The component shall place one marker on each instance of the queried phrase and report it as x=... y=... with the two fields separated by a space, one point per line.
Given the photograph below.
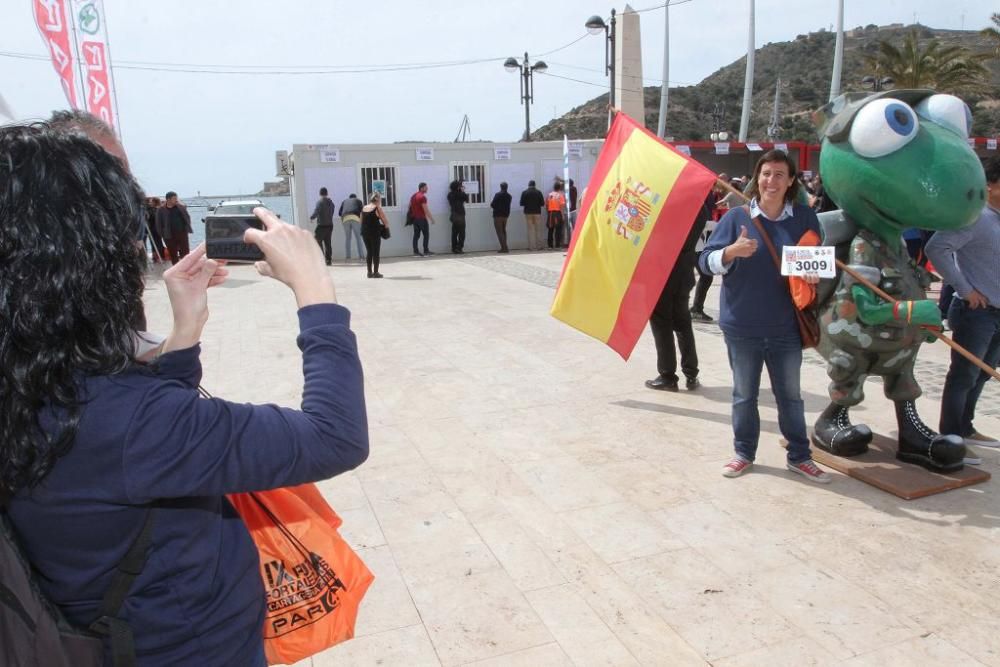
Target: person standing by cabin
x=501 y=211
x=323 y=215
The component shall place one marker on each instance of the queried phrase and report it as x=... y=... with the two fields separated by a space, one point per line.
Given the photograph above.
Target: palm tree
x=993 y=33
x=945 y=69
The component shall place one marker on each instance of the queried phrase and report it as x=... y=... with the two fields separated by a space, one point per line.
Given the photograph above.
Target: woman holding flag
x=757 y=311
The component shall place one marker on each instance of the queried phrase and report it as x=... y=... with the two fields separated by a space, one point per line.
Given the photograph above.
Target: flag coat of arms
x=641 y=201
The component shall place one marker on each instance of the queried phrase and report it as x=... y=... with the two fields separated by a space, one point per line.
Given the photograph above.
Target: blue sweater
x=146 y=435
x=755 y=299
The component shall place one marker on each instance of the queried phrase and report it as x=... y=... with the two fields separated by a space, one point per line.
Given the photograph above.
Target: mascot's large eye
x=947 y=111
x=882 y=127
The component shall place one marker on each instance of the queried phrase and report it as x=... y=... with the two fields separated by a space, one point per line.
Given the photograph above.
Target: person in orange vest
x=554 y=204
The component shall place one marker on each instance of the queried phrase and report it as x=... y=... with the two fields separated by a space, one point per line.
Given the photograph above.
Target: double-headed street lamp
x=718 y=122
x=594 y=25
x=877 y=83
x=527 y=85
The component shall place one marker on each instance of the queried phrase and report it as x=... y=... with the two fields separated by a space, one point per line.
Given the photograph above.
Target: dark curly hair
x=71 y=282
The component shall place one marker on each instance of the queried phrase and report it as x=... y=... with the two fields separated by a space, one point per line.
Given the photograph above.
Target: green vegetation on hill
x=804 y=66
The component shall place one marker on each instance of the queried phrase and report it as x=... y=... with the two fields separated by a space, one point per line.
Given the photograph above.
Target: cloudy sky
x=216 y=132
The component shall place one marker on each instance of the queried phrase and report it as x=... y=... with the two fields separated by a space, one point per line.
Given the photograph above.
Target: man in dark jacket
x=457 y=199
x=174 y=224
x=323 y=215
x=671 y=315
x=533 y=202
x=501 y=211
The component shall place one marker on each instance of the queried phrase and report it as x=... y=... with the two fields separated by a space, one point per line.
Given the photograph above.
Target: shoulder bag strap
x=767 y=241
x=107 y=623
x=764 y=235
x=774 y=256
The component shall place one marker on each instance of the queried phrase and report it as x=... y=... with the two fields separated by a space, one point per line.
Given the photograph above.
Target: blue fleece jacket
x=147 y=436
x=755 y=300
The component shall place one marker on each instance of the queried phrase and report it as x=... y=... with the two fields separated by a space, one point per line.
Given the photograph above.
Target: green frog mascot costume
x=891 y=160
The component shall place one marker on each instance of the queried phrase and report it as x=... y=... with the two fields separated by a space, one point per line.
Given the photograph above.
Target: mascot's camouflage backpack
x=890 y=161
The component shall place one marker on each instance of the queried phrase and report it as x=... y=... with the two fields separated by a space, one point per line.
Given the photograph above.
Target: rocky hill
x=804 y=66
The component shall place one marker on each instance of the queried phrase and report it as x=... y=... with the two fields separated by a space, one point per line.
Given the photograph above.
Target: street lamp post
x=718 y=122
x=594 y=25
x=877 y=83
x=527 y=85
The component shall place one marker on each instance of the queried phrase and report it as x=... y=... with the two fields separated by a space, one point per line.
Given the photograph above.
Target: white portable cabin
x=397 y=169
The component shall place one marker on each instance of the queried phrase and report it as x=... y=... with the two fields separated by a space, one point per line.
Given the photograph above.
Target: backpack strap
x=107 y=623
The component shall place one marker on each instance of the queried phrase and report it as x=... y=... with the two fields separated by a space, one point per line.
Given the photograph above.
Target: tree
x=946 y=69
x=993 y=33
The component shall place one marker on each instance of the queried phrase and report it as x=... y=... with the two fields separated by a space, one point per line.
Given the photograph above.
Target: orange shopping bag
x=313 y=580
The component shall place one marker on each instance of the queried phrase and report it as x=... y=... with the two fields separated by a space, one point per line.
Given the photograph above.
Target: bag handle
x=282 y=528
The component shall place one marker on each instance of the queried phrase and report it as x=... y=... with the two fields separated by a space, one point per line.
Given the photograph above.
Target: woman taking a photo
x=757 y=313
x=95 y=446
x=373 y=222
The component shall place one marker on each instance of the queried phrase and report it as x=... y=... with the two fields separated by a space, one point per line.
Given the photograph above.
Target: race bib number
x=798 y=260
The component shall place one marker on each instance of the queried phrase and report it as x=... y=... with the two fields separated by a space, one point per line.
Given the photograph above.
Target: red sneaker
x=810 y=471
x=736 y=467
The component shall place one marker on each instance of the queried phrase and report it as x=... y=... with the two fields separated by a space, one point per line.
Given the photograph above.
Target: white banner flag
x=566 y=150
x=95 y=61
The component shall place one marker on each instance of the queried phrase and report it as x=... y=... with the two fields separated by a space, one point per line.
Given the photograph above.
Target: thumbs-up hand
x=743 y=246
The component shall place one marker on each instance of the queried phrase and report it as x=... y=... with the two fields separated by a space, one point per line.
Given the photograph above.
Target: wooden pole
x=982 y=365
x=937 y=334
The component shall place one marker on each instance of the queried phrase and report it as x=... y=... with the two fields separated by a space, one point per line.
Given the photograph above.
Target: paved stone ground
x=528 y=502
x=929 y=370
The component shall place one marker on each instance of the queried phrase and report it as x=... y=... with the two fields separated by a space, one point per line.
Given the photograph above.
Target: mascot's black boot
x=919 y=444
x=834 y=432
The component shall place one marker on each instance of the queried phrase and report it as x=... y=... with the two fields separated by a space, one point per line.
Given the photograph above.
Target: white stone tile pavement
x=528 y=502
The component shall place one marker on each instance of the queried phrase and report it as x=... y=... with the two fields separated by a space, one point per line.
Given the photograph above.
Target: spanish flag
x=641 y=201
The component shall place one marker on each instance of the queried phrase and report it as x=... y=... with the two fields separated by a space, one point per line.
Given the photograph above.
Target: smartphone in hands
x=224 y=238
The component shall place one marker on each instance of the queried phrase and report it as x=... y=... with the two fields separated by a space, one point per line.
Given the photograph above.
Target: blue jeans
x=352 y=228
x=783 y=357
x=978 y=331
x=420 y=226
